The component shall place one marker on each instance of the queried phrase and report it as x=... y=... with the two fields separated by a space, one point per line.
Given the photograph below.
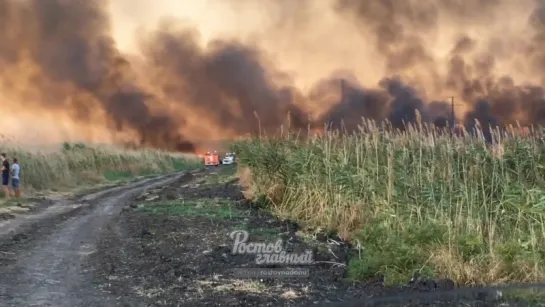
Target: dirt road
x=165 y=242
x=42 y=259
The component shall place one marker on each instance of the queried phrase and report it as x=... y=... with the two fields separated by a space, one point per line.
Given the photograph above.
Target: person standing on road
x=15 y=170
x=5 y=174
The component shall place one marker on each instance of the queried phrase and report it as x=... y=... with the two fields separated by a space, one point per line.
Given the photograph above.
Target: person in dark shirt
x=5 y=175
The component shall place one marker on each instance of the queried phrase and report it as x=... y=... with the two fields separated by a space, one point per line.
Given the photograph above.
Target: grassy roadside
x=411 y=202
x=76 y=166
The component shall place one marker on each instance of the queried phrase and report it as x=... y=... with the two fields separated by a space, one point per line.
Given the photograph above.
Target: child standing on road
x=5 y=175
x=15 y=170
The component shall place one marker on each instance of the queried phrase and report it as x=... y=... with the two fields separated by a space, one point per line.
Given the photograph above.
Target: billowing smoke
x=479 y=70
x=228 y=82
x=59 y=58
x=63 y=52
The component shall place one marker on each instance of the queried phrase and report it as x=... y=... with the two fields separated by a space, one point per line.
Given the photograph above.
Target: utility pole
x=452 y=111
x=452 y=116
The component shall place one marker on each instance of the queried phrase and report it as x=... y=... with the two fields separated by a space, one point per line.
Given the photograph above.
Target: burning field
x=191 y=76
x=174 y=74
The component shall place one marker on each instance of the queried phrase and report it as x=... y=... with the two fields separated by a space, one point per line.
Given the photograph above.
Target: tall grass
x=74 y=165
x=412 y=201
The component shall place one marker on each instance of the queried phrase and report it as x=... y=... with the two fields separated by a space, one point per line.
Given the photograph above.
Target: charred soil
x=171 y=247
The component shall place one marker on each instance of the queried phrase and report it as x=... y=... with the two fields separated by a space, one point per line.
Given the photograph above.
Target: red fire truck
x=211 y=159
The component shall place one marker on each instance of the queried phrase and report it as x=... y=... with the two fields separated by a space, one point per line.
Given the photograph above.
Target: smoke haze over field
x=173 y=73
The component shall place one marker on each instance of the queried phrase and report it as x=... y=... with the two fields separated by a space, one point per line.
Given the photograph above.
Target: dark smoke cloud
x=355 y=102
x=234 y=87
x=398 y=27
x=227 y=81
x=387 y=20
x=70 y=41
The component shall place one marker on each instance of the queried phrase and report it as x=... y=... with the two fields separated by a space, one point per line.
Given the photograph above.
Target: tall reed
x=412 y=200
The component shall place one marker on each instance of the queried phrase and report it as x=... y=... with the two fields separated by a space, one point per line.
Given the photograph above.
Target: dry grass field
x=411 y=201
x=68 y=166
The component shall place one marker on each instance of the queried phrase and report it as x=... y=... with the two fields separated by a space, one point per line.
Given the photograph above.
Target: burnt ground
x=164 y=241
x=170 y=246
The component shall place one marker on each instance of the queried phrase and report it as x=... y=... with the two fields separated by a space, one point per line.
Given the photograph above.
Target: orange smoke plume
x=67 y=73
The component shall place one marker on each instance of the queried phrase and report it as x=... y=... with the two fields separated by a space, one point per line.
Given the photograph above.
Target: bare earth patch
x=171 y=247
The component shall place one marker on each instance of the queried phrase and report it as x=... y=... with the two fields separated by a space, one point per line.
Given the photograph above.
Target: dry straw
x=415 y=200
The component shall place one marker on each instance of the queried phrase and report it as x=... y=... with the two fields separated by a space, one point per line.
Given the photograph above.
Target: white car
x=228 y=159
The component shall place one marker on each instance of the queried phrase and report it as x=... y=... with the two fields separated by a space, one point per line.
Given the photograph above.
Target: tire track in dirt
x=46 y=268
